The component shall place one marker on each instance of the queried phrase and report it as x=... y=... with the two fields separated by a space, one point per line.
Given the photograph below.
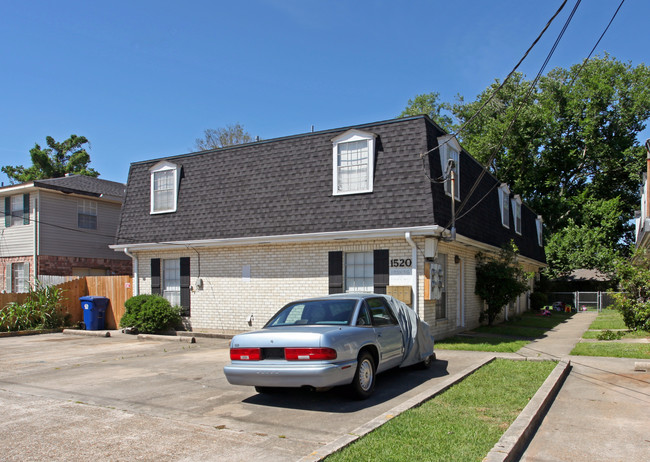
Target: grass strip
x=608 y=319
x=613 y=350
x=493 y=344
x=512 y=331
x=628 y=334
x=461 y=424
x=535 y=319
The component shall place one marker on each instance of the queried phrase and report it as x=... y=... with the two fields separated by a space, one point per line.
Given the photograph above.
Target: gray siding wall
x=17 y=240
x=60 y=235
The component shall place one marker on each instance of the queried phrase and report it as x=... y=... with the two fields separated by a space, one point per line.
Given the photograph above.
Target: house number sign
x=400 y=263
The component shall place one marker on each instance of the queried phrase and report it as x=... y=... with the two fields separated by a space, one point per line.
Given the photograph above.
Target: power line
x=78 y=230
x=496 y=91
x=532 y=86
x=537 y=78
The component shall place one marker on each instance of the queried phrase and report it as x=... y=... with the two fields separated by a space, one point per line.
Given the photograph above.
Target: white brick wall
x=282 y=273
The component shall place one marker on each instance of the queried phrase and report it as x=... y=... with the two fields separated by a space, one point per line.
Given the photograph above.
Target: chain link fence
x=583 y=301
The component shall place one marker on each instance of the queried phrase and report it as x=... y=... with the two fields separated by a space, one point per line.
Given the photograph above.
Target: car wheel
x=426 y=364
x=364 y=378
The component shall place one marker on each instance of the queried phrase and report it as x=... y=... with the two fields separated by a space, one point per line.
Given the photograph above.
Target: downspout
x=135 y=271
x=647 y=181
x=414 y=269
x=36 y=237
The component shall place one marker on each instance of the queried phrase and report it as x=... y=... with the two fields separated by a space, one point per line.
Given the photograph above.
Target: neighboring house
x=59 y=227
x=583 y=280
x=232 y=234
x=642 y=217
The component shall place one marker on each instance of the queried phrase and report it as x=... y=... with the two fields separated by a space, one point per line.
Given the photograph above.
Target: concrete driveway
x=67 y=397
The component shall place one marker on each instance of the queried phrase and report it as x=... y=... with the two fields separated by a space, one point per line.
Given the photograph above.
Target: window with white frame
x=353 y=162
x=450 y=150
x=87 y=214
x=164 y=187
x=359 y=272
x=504 y=204
x=171 y=281
x=17 y=277
x=516 y=212
x=539 y=225
x=16 y=210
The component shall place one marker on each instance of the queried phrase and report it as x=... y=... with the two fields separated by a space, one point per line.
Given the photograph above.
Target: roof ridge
x=284 y=138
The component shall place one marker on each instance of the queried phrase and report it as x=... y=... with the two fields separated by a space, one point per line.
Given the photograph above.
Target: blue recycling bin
x=94 y=309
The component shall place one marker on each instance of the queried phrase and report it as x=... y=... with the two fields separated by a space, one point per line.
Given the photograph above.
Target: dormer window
x=516 y=212
x=450 y=150
x=164 y=187
x=353 y=159
x=504 y=204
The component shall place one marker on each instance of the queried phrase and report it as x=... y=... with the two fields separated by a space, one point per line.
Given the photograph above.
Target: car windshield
x=335 y=312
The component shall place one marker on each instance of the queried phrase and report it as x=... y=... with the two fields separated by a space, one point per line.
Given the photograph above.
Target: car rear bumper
x=319 y=375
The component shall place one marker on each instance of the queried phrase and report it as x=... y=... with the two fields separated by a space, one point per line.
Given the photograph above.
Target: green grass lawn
x=512 y=331
x=612 y=320
x=628 y=334
x=613 y=350
x=461 y=424
x=534 y=319
x=608 y=319
x=494 y=344
x=505 y=337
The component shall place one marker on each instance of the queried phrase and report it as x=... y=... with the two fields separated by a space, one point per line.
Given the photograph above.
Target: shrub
x=538 y=300
x=609 y=335
x=499 y=281
x=41 y=309
x=150 y=314
x=634 y=303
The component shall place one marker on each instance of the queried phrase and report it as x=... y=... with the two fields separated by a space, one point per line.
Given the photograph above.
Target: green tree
x=634 y=280
x=222 y=137
x=55 y=161
x=428 y=104
x=571 y=153
x=499 y=281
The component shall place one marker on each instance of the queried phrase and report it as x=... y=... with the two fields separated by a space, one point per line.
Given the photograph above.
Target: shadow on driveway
x=389 y=385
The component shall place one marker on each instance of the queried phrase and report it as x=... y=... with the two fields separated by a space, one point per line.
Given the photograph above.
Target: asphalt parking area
x=119 y=398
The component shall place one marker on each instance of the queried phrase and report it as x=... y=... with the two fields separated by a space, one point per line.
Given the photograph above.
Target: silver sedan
x=336 y=340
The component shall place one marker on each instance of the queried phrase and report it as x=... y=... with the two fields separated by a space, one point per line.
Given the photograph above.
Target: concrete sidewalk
x=559 y=341
x=602 y=411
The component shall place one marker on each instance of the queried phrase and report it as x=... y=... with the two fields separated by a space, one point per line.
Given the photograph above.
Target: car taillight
x=245 y=354
x=309 y=354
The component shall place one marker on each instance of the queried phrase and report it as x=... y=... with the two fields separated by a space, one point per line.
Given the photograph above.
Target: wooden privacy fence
x=5 y=299
x=117 y=289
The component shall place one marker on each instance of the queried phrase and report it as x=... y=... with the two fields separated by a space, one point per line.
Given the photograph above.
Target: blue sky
x=143 y=79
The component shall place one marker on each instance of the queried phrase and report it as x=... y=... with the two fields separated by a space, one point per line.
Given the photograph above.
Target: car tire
x=363 y=383
x=428 y=362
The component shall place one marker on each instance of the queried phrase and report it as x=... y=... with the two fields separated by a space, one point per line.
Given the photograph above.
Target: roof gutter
x=431 y=230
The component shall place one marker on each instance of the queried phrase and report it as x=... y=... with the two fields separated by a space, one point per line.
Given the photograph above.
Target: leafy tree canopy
x=428 y=104
x=571 y=153
x=55 y=161
x=222 y=137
